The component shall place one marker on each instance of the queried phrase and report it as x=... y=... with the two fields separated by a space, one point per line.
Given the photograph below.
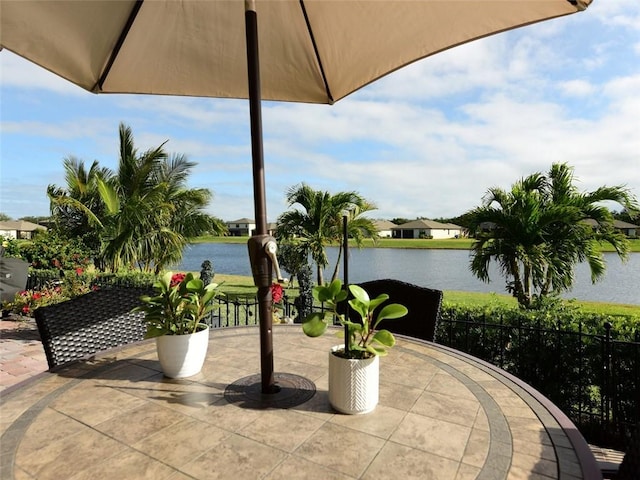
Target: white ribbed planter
x=353 y=383
x=182 y=355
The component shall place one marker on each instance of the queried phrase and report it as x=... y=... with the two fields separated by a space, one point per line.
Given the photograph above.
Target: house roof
x=242 y=220
x=621 y=224
x=616 y=223
x=427 y=224
x=21 y=226
x=383 y=225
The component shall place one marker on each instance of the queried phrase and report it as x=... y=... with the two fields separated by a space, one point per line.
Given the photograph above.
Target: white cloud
x=577 y=88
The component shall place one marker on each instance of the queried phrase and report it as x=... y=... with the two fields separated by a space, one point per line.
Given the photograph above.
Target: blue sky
x=427 y=140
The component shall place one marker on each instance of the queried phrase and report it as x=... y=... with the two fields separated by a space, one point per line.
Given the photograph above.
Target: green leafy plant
x=181 y=304
x=362 y=339
x=10 y=247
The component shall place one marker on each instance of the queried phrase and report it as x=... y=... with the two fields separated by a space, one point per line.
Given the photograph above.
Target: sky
x=426 y=141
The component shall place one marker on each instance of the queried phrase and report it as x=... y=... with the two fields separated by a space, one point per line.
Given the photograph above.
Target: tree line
x=142 y=215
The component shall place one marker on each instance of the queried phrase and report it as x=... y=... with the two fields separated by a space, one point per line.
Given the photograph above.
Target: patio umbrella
x=315 y=51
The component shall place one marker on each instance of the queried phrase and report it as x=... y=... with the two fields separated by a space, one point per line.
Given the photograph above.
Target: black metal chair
x=423 y=303
x=91 y=323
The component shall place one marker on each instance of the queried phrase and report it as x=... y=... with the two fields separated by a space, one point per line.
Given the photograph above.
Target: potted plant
x=174 y=317
x=354 y=366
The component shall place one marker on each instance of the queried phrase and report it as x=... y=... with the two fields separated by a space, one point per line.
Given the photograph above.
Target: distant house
x=245 y=227
x=629 y=229
x=426 y=229
x=19 y=229
x=383 y=227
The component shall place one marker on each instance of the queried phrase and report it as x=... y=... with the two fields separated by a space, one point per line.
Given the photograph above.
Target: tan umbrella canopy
x=315 y=51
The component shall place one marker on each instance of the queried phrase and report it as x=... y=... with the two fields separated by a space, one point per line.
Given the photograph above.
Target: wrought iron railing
x=593 y=378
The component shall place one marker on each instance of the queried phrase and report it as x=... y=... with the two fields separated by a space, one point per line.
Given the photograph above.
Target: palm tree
x=76 y=210
x=146 y=213
x=540 y=229
x=318 y=221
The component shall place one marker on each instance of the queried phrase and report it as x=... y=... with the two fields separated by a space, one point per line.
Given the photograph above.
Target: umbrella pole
x=260 y=262
x=345 y=260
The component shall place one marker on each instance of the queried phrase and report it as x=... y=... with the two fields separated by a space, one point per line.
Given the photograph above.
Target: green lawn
x=243 y=285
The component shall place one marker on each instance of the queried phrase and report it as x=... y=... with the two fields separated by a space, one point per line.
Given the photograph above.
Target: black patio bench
x=90 y=323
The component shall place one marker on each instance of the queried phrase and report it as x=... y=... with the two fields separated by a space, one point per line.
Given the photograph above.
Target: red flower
x=26 y=309
x=37 y=295
x=79 y=271
x=176 y=279
x=276 y=292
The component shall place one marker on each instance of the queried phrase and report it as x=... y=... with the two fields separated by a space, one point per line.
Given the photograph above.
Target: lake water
x=441 y=269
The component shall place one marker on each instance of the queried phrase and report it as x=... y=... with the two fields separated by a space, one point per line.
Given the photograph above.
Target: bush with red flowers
x=73 y=284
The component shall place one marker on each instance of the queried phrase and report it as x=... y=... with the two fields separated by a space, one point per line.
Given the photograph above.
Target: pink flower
x=276 y=292
x=26 y=309
x=176 y=279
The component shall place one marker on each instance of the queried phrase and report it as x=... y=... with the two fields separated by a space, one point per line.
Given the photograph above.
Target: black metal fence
x=233 y=311
x=593 y=378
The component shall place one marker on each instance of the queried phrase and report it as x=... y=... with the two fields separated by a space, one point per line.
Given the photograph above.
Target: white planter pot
x=182 y=355
x=353 y=383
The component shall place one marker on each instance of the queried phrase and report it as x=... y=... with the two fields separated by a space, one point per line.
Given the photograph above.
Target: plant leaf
x=385 y=337
x=359 y=293
x=314 y=325
x=391 y=311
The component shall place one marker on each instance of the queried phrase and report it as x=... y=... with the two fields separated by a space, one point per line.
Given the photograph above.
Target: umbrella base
x=292 y=390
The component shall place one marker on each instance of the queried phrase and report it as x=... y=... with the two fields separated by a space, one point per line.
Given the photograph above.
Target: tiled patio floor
x=22 y=357
x=21 y=353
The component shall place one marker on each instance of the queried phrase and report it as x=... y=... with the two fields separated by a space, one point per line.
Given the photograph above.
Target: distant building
x=19 y=229
x=426 y=229
x=242 y=227
x=245 y=227
x=629 y=229
x=383 y=227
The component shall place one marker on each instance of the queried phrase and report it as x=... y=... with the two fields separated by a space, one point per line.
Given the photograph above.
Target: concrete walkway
x=21 y=353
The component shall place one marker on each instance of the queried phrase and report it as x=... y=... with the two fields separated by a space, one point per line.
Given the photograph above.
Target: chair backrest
x=14 y=273
x=423 y=304
x=91 y=323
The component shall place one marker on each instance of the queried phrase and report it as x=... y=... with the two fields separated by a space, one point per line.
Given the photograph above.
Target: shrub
x=50 y=250
x=10 y=246
x=53 y=286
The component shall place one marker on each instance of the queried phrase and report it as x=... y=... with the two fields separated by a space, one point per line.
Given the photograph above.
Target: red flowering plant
x=27 y=301
x=72 y=285
x=180 y=305
x=277 y=293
